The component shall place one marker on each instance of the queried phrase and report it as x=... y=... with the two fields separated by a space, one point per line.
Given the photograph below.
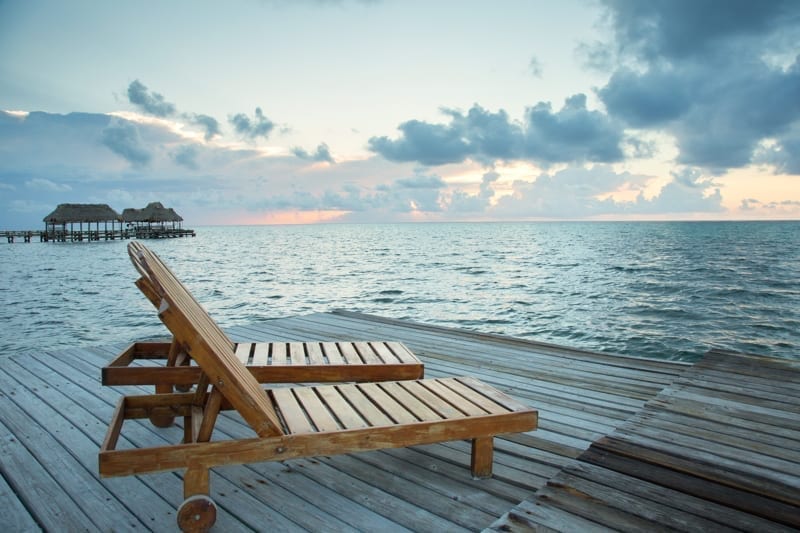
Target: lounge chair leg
x=165 y=421
x=162 y=421
x=198 y=511
x=482 y=457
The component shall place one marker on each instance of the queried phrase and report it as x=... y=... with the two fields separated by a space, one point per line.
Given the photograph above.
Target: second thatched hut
x=153 y=217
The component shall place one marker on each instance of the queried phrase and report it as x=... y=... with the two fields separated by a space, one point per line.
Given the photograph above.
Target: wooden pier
x=623 y=443
x=90 y=235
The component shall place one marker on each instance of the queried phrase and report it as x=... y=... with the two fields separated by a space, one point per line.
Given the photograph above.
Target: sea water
x=668 y=290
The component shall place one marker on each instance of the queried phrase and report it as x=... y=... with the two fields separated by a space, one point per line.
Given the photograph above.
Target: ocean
x=667 y=290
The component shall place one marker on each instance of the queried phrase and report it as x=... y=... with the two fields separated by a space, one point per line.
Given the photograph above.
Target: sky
x=278 y=111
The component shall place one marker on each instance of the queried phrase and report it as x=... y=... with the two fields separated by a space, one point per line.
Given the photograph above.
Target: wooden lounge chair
x=297 y=421
x=269 y=362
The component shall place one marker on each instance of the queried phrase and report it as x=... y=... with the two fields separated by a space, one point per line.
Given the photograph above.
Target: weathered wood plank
x=82 y=409
x=68 y=474
x=543 y=517
x=374 y=498
x=13 y=514
x=35 y=486
x=687 y=511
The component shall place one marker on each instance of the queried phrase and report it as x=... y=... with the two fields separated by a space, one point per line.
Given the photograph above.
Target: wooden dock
x=596 y=412
x=95 y=235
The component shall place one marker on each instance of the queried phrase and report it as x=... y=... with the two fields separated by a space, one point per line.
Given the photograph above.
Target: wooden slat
x=261 y=354
x=368 y=410
x=338 y=404
x=397 y=412
x=409 y=401
x=280 y=354
x=315 y=355
x=424 y=394
x=402 y=353
x=349 y=353
x=469 y=394
x=452 y=398
x=491 y=393
x=367 y=353
x=315 y=409
x=243 y=352
x=383 y=352
x=291 y=411
x=332 y=352
x=297 y=354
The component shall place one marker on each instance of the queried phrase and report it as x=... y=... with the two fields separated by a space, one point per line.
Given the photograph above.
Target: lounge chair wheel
x=197 y=513
x=162 y=421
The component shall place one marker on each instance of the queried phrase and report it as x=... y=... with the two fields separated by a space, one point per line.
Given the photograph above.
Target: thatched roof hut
x=154 y=212
x=70 y=213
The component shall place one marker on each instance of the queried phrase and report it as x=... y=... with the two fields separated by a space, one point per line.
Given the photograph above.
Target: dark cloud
x=323 y=153
x=149 y=101
x=720 y=76
x=258 y=126
x=122 y=138
x=574 y=133
x=430 y=144
x=209 y=124
x=680 y=29
x=492 y=136
x=646 y=100
x=784 y=154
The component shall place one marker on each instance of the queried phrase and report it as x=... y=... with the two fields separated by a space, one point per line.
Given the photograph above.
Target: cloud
x=420 y=181
x=323 y=153
x=149 y=102
x=783 y=154
x=688 y=192
x=429 y=144
x=417 y=193
x=154 y=103
x=720 y=76
x=783 y=209
x=258 y=126
x=681 y=29
x=122 y=138
x=209 y=124
x=572 y=134
x=462 y=202
x=646 y=100
x=578 y=192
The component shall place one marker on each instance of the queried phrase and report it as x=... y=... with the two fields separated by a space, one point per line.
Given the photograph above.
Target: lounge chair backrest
x=151 y=289
x=194 y=329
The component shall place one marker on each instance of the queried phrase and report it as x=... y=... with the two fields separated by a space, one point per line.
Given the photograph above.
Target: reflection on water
x=667 y=290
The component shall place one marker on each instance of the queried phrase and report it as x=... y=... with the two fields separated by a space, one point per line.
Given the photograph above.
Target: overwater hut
x=154 y=214
x=72 y=214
